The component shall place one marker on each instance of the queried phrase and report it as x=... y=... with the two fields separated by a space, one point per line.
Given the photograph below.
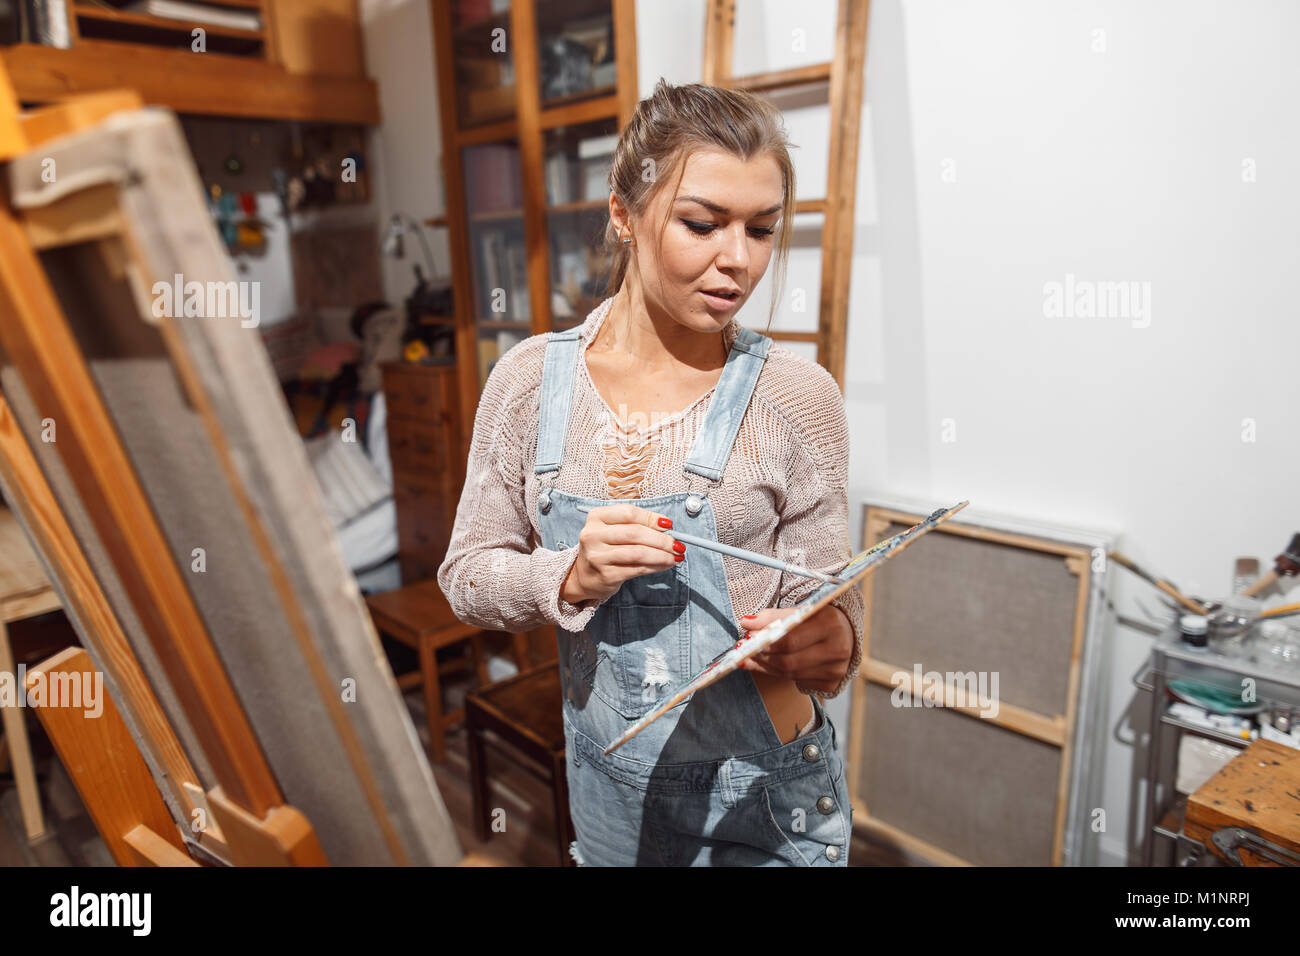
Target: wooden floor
x=527 y=838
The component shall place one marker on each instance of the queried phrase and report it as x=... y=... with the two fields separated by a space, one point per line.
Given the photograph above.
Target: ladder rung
x=809 y=205
x=755 y=82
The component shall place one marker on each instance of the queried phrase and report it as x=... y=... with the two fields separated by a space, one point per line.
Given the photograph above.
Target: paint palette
x=852 y=573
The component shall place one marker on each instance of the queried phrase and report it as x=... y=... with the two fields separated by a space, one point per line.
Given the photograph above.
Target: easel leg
x=29 y=795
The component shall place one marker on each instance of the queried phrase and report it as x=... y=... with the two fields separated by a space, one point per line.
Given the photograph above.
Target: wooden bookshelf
x=275 y=72
x=541 y=119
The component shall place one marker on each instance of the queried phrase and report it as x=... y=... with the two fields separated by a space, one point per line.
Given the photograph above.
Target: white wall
x=1117 y=164
x=1005 y=145
x=406 y=146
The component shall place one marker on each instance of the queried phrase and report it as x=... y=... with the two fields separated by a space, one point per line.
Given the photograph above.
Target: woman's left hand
x=815 y=654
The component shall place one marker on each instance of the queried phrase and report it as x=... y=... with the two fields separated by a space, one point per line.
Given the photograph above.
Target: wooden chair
x=525 y=712
x=419 y=616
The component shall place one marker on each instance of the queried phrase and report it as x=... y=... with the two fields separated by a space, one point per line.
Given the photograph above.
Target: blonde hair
x=666 y=127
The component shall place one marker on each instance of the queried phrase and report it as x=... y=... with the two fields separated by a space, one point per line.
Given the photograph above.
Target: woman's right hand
x=618 y=542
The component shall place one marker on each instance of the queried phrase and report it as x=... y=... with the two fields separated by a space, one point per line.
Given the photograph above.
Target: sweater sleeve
x=813 y=529
x=491 y=576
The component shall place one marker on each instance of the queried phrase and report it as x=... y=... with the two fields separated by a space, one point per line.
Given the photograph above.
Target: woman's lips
x=720 y=302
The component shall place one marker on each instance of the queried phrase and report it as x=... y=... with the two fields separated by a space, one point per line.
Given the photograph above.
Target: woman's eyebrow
x=723 y=210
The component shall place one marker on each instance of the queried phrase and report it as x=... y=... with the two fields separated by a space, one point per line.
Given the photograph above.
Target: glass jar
x=1231 y=626
x=1279 y=643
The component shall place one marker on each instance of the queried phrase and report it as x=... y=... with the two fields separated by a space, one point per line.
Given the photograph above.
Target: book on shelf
x=487 y=356
x=594 y=146
x=492 y=178
x=557 y=180
x=491 y=268
x=506 y=340
x=517 y=271
x=198 y=13
x=594 y=156
x=44 y=22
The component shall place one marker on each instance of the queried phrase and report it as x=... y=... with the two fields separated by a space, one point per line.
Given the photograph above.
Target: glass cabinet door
x=575 y=50
x=577 y=209
x=485 y=70
x=494 y=208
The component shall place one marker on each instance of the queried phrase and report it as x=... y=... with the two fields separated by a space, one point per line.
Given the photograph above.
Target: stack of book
x=492 y=179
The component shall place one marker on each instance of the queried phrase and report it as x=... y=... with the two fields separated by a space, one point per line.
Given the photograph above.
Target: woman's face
x=718 y=241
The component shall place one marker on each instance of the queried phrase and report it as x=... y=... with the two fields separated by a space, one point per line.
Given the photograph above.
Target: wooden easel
x=245 y=820
x=147 y=799
x=843 y=79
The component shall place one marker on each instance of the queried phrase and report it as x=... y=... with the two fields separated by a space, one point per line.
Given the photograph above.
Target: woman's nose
x=734 y=253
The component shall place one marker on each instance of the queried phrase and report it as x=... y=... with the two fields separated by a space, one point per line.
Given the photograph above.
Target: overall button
x=544 y=501
x=832 y=853
x=694 y=505
x=811 y=752
x=825 y=804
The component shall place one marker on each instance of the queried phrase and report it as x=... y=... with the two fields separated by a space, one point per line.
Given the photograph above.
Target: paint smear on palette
x=852 y=573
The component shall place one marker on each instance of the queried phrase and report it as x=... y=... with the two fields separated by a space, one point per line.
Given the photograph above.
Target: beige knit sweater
x=782 y=492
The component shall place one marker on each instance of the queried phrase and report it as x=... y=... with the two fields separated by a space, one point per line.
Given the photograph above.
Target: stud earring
x=627 y=242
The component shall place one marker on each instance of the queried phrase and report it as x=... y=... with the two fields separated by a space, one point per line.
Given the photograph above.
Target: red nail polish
x=679 y=547
x=748 y=617
x=665 y=522
x=679 y=557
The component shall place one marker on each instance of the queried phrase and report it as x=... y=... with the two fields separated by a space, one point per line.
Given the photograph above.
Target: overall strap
x=558 y=369
x=712 y=446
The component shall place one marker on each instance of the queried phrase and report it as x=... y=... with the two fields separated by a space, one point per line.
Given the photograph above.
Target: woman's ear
x=618 y=217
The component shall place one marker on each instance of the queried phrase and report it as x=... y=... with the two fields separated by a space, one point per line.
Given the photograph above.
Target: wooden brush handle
x=1263 y=581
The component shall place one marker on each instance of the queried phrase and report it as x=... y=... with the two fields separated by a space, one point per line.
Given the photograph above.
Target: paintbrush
x=1160 y=583
x=753 y=556
x=1287 y=564
x=1286 y=610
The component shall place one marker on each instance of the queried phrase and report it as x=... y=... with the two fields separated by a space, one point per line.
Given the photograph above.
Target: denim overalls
x=710 y=782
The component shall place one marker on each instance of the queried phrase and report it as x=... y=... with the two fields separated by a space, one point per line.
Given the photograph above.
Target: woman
x=718 y=432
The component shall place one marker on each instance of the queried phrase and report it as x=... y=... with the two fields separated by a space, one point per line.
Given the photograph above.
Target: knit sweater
x=783 y=490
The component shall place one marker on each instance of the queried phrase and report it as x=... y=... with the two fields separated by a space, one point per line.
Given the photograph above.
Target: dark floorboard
x=528 y=838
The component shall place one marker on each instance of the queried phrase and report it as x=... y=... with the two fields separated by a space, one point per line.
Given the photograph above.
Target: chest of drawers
x=428 y=453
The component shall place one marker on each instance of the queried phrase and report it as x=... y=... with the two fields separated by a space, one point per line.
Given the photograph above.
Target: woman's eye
x=704 y=228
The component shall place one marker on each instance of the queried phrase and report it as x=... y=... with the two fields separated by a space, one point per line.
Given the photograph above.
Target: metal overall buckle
x=544 y=496
x=695 y=501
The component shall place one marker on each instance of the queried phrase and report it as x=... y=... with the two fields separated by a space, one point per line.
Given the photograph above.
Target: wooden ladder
x=843 y=78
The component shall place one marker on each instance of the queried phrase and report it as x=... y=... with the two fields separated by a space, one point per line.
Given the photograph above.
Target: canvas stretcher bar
x=79 y=592
x=1056 y=730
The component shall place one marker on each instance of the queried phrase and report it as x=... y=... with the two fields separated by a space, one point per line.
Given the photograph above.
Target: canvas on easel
x=171 y=458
